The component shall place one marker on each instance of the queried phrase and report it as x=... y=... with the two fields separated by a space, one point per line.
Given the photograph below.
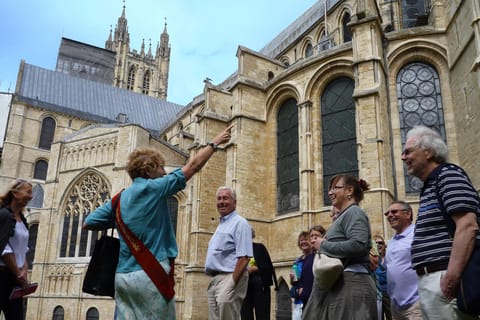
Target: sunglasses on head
x=18 y=183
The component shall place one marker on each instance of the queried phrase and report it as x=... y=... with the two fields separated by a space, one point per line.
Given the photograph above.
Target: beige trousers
x=225 y=298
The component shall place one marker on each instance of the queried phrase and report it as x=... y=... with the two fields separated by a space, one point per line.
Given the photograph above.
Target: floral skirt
x=136 y=297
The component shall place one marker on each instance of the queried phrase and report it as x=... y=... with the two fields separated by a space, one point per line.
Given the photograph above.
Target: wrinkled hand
x=449 y=286
x=224 y=136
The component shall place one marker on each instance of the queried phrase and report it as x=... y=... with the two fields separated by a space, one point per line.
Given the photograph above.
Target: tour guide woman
x=349 y=238
x=13 y=246
x=144 y=211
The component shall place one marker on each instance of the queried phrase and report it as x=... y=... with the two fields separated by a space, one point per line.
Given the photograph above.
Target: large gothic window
x=146 y=82
x=287 y=158
x=419 y=103
x=40 y=171
x=131 y=78
x=47 y=133
x=90 y=192
x=339 y=136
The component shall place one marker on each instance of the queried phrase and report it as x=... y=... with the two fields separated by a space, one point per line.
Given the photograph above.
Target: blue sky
x=204 y=34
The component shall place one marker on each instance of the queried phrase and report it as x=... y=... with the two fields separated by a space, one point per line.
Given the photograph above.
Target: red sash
x=145 y=258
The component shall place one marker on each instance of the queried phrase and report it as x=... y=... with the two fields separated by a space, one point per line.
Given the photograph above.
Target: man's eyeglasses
x=395 y=211
x=406 y=152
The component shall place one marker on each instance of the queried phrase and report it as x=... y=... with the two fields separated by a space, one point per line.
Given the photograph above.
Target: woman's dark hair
x=359 y=186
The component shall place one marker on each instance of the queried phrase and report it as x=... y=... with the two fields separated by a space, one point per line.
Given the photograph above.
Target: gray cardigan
x=349 y=237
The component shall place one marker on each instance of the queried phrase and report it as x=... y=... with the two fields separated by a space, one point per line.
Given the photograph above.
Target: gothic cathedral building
x=336 y=91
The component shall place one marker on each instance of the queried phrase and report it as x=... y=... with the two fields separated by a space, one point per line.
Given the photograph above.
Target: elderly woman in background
x=143 y=207
x=349 y=238
x=301 y=276
x=13 y=246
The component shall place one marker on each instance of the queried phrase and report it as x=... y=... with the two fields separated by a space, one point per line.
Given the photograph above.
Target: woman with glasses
x=13 y=246
x=353 y=296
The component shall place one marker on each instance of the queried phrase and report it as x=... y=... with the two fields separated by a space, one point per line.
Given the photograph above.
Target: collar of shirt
x=228 y=216
x=405 y=232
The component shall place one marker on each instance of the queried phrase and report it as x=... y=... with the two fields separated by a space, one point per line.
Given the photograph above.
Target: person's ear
x=428 y=153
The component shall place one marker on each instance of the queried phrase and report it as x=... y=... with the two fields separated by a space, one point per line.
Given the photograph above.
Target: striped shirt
x=449 y=184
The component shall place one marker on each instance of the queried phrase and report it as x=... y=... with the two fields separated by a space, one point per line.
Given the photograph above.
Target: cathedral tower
x=139 y=71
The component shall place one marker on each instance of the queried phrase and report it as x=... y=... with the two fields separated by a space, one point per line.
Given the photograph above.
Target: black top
x=264 y=264
x=7 y=226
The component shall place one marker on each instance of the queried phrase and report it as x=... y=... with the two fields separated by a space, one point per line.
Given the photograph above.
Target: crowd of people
x=415 y=275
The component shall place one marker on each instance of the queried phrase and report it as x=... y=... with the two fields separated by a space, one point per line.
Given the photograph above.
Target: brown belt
x=431 y=268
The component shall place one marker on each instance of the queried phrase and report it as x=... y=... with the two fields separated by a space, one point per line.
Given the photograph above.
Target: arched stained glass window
x=339 y=135
x=58 y=313
x=419 y=103
x=308 y=50
x=37 y=196
x=92 y=314
x=86 y=195
x=40 y=171
x=287 y=158
x=347 y=35
x=47 y=133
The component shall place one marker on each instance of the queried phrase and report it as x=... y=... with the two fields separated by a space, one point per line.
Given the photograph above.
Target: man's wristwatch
x=213 y=145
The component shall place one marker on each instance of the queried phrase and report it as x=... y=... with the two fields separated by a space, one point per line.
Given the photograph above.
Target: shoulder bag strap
x=449 y=220
x=163 y=281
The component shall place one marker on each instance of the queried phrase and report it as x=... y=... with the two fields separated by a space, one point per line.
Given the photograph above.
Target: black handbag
x=468 y=294
x=100 y=276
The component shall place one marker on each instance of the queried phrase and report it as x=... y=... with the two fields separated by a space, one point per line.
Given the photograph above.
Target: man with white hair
x=229 y=252
x=447 y=198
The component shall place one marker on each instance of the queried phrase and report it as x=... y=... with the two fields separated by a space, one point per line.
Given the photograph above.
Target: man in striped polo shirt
x=447 y=191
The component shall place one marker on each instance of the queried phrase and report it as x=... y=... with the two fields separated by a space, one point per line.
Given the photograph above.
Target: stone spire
x=149 y=53
x=109 y=42
x=163 y=49
x=121 y=30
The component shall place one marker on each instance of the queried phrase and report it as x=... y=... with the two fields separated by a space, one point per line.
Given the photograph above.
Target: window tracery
x=419 y=103
x=85 y=196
